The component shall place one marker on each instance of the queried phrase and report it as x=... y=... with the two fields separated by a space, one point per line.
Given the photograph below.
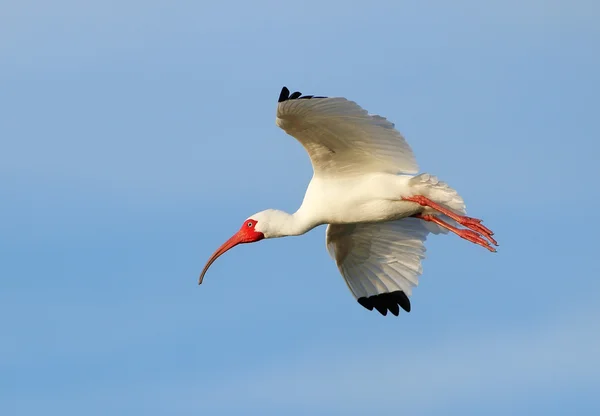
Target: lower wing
x=380 y=262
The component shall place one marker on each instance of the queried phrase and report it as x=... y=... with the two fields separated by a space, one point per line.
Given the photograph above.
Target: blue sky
x=135 y=137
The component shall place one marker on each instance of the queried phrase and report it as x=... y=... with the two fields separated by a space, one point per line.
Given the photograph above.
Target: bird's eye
x=250 y=224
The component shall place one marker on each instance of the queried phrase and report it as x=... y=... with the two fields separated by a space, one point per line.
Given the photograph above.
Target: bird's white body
x=372 y=197
x=369 y=198
x=364 y=180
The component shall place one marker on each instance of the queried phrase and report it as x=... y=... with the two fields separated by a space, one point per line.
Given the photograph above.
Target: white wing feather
x=341 y=138
x=378 y=258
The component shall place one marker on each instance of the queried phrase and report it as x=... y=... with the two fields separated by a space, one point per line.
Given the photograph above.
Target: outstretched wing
x=380 y=262
x=341 y=138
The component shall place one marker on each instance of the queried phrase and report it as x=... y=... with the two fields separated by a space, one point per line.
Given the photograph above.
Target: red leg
x=468 y=235
x=471 y=223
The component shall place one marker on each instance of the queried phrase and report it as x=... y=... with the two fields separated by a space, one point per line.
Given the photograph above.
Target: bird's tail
x=438 y=191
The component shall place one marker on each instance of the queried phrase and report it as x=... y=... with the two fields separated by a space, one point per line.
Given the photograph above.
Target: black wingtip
x=402 y=300
x=285 y=95
x=394 y=309
x=365 y=302
x=386 y=301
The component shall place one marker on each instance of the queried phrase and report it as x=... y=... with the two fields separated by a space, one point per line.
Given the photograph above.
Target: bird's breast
x=368 y=198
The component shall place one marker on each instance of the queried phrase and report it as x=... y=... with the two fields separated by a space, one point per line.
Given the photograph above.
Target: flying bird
x=365 y=187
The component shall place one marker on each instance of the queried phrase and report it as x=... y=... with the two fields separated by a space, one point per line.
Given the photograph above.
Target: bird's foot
x=473 y=237
x=469 y=235
x=475 y=225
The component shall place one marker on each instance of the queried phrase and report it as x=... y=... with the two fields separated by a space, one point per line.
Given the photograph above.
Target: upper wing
x=380 y=262
x=341 y=137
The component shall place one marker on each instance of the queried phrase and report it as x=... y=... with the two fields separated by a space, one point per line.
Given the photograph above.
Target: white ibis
x=365 y=188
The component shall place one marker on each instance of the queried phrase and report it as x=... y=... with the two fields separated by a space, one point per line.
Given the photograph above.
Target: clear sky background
x=136 y=136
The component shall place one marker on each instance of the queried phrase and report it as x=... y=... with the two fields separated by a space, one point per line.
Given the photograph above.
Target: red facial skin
x=246 y=234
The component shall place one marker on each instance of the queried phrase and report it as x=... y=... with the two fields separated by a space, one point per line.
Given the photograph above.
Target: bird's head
x=255 y=228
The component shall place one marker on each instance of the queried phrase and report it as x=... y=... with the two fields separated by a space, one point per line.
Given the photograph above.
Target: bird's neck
x=283 y=224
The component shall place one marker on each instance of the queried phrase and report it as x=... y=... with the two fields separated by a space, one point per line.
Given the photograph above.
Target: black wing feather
x=285 y=95
x=386 y=301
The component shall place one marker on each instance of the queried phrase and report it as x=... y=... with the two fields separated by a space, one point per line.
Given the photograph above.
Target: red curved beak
x=242 y=236
x=232 y=242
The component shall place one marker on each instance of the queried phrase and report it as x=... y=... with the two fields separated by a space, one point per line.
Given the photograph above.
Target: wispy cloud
x=464 y=368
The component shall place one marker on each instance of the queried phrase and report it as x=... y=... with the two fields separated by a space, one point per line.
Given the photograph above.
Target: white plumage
x=380 y=257
x=343 y=139
x=379 y=213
